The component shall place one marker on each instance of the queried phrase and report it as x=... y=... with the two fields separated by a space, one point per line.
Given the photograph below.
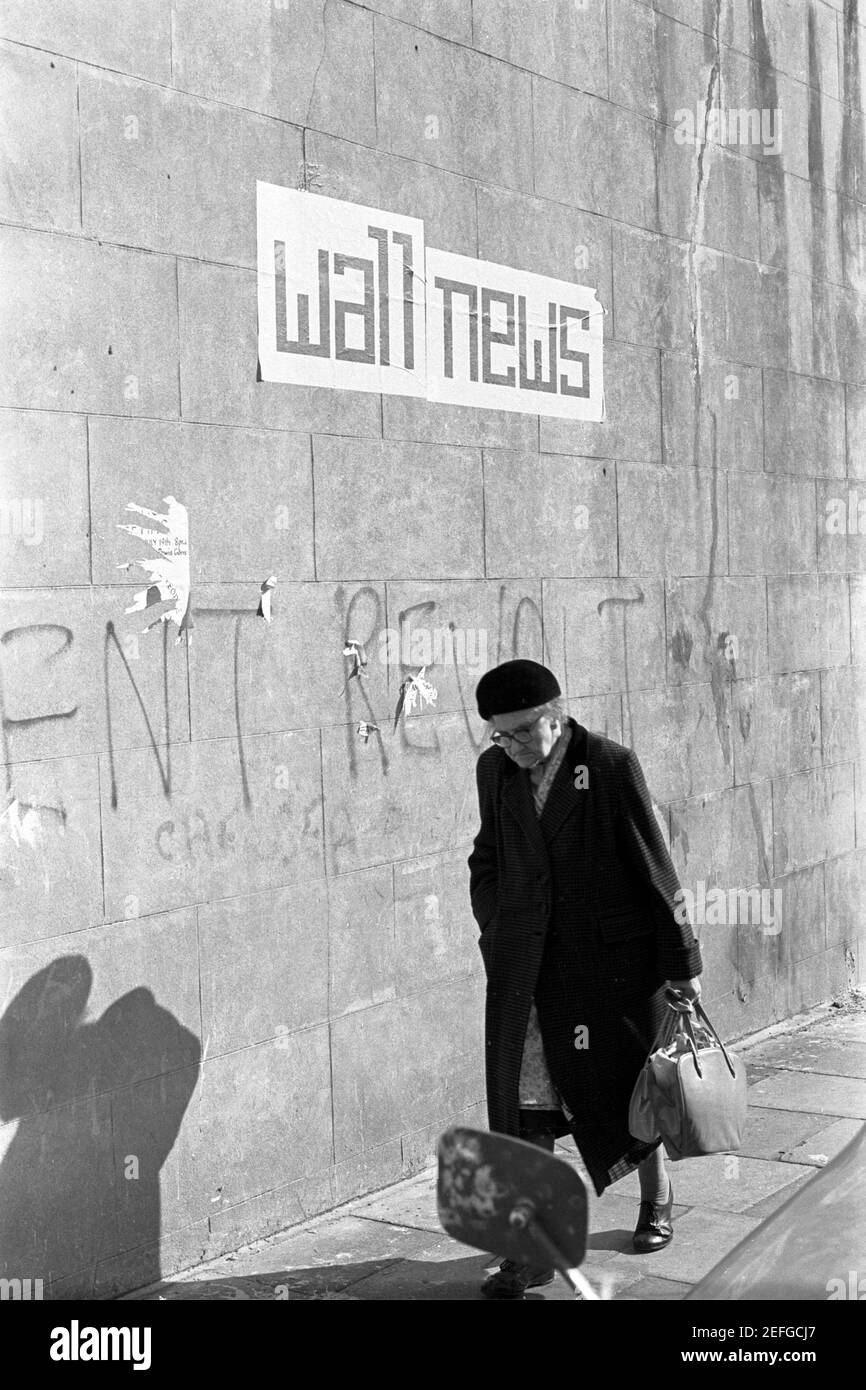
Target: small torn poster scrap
x=414 y=690
x=358 y=653
x=264 y=608
x=25 y=823
x=169 y=574
x=365 y=730
x=23 y=829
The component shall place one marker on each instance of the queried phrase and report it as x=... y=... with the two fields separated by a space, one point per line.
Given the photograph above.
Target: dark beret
x=515 y=685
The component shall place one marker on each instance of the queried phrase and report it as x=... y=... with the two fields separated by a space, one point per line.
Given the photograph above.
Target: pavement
x=807 y=1100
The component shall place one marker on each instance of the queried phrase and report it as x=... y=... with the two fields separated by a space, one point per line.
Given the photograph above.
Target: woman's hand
x=691 y=989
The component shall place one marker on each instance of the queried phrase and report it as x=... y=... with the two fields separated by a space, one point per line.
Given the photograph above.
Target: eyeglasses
x=523 y=735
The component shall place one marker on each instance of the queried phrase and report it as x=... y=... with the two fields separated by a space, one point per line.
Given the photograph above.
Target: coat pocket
x=625 y=926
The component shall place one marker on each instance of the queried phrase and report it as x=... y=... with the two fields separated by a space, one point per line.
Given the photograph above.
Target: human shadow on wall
x=99 y=1104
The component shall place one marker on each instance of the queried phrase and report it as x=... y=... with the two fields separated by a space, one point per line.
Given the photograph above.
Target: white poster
x=511 y=340
x=350 y=298
x=341 y=294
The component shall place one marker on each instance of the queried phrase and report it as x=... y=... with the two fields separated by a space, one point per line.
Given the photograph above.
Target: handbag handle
x=704 y=1017
x=683 y=1010
x=687 y=1029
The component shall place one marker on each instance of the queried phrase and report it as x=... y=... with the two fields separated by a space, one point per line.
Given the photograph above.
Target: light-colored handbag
x=691 y=1090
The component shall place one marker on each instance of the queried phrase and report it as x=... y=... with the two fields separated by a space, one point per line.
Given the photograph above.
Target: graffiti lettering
x=189 y=837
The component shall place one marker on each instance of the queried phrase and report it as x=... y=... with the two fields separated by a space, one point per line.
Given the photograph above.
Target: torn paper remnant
x=264 y=608
x=358 y=653
x=414 y=690
x=24 y=823
x=170 y=573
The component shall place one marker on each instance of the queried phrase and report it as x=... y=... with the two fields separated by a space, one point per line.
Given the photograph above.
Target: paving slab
x=724 y=1182
x=341 y=1242
x=821 y=1095
x=829 y=1054
x=442 y=1269
x=774 y=1134
x=330 y=1255
x=848 y=1026
x=700 y=1240
x=255 y=1288
x=610 y=1282
x=438 y=1269
x=823 y=1146
x=408 y=1204
x=445 y=1270
x=756 y=1072
x=654 y=1289
x=768 y=1205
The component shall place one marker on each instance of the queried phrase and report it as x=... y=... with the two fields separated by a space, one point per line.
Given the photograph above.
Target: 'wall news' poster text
x=349 y=297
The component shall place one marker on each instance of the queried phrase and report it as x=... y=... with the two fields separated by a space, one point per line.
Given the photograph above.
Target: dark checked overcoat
x=576 y=910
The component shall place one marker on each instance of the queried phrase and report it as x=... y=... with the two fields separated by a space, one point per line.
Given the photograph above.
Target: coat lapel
x=564 y=799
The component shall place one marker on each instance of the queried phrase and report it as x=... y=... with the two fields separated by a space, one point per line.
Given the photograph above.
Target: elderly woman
x=573 y=890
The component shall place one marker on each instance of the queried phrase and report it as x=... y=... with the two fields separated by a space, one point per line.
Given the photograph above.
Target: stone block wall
x=239 y=978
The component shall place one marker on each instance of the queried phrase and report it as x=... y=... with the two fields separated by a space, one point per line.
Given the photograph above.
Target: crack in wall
x=719 y=671
x=322 y=57
x=697 y=228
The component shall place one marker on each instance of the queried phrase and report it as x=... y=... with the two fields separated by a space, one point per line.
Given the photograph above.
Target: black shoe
x=511 y=1280
x=654 y=1230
